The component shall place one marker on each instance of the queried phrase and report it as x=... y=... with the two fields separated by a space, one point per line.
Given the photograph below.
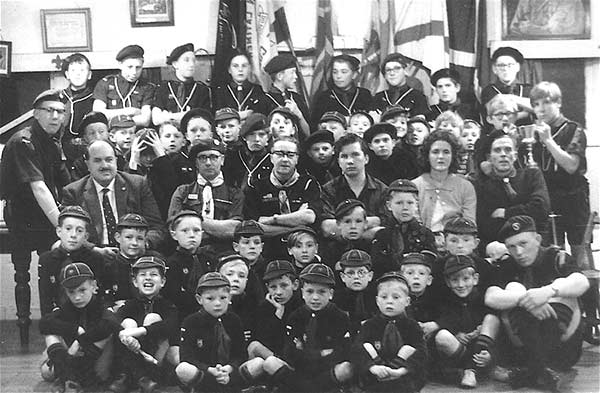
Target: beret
x=353 y=61
x=515 y=225
x=74 y=274
x=248 y=228
x=193 y=113
x=285 y=112
x=508 y=51
x=395 y=276
x=416 y=258
x=319 y=136
x=403 y=185
x=48 y=95
x=182 y=213
x=75 y=211
x=445 y=73
x=395 y=57
x=226 y=114
x=393 y=111
x=121 y=121
x=456 y=263
x=212 y=280
x=278 y=268
x=318 y=273
x=460 y=225
x=148 y=261
x=354 y=258
x=213 y=144
x=380 y=128
x=333 y=116
x=91 y=118
x=177 y=52
x=254 y=122
x=130 y=51
x=346 y=206
x=304 y=229
x=279 y=63
x=229 y=258
x=132 y=220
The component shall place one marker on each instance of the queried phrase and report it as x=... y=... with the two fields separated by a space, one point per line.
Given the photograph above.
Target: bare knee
x=446 y=342
x=257 y=350
x=272 y=364
x=490 y=325
x=253 y=367
x=152 y=318
x=172 y=355
x=129 y=323
x=53 y=339
x=186 y=372
x=343 y=371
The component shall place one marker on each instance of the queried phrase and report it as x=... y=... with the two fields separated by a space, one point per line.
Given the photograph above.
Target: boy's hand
x=214 y=371
x=428 y=327
x=131 y=343
x=380 y=372
x=462 y=338
x=482 y=358
x=545 y=311
x=499 y=213
x=279 y=308
x=536 y=297
x=397 y=373
x=543 y=131
x=326 y=352
x=107 y=252
x=245 y=114
x=298 y=343
x=156 y=144
x=131 y=111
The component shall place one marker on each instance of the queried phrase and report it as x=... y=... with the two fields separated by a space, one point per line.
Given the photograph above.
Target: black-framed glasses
x=506 y=65
x=211 y=157
x=360 y=273
x=288 y=154
x=394 y=69
x=52 y=110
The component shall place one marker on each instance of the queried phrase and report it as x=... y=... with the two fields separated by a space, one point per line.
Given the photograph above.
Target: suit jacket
x=132 y=195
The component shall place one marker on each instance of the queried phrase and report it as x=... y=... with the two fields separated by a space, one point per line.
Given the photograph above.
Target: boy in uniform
x=386 y=161
x=359 y=122
x=397 y=116
x=334 y=122
x=317 y=158
x=416 y=268
x=228 y=126
x=175 y=97
x=303 y=246
x=126 y=93
x=248 y=243
x=447 y=85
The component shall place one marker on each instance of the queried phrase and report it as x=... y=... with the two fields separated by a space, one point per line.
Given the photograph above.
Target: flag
x=230 y=37
x=323 y=47
x=463 y=30
x=261 y=40
x=482 y=74
x=379 y=42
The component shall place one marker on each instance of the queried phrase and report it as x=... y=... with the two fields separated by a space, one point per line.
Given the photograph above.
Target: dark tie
x=109 y=217
x=284 y=203
x=223 y=343
x=508 y=188
x=239 y=92
x=181 y=93
x=391 y=342
x=311 y=332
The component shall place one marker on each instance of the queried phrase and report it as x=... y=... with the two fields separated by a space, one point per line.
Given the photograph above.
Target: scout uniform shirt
x=276 y=99
x=465 y=110
x=345 y=102
x=180 y=96
x=78 y=104
x=241 y=97
x=138 y=307
x=404 y=96
x=118 y=93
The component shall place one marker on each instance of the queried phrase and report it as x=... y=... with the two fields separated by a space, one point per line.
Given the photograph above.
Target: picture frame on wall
x=66 y=30
x=147 y=13
x=546 y=20
x=5 y=58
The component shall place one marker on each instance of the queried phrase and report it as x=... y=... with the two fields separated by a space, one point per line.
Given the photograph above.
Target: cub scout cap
x=177 y=52
x=76 y=212
x=254 y=122
x=393 y=276
x=48 y=95
x=182 y=213
x=319 y=136
x=515 y=225
x=508 y=51
x=226 y=114
x=318 y=273
x=280 y=63
x=229 y=258
x=130 y=52
x=303 y=229
x=212 y=145
x=346 y=206
x=354 y=258
x=351 y=60
x=456 y=263
x=132 y=220
x=147 y=262
x=285 y=112
x=394 y=111
x=380 y=128
x=333 y=116
x=91 y=118
x=460 y=225
x=248 y=228
x=403 y=185
x=212 y=280
x=192 y=114
x=416 y=258
x=278 y=268
x=74 y=274
x=445 y=73
x=121 y=121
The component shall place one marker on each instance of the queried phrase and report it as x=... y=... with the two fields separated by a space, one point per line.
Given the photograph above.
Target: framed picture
x=5 y=57
x=66 y=30
x=545 y=19
x=146 y=13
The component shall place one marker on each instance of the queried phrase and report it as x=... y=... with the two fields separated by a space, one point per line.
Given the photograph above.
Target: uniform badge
x=186 y=270
x=269 y=195
x=377 y=345
x=113 y=102
x=115 y=287
x=53 y=279
x=193 y=196
x=304 y=337
x=199 y=343
x=516 y=226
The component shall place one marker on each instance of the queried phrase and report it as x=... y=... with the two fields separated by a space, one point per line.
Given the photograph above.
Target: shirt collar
x=99 y=188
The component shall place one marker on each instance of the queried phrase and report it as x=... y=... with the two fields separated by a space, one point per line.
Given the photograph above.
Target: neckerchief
x=391 y=341
x=505 y=179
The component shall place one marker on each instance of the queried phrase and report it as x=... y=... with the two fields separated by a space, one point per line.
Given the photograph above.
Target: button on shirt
x=113 y=204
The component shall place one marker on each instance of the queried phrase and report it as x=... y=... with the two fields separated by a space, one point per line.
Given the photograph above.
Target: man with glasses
x=32 y=173
x=220 y=204
x=283 y=200
x=399 y=93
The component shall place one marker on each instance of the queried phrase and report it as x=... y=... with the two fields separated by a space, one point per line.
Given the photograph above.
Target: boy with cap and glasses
x=467 y=327
x=150 y=329
x=344 y=96
x=402 y=233
x=126 y=93
x=72 y=232
x=447 y=86
x=282 y=70
x=389 y=352
x=303 y=246
x=318 y=338
x=212 y=340
x=536 y=292
x=357 y=295
x=333 y=122
x=78 y=332
x=176 y=96
x=187 y=263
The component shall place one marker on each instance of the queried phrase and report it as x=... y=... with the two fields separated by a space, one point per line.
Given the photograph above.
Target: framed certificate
x=145 y=13
x=5 y=58
x=66 y=30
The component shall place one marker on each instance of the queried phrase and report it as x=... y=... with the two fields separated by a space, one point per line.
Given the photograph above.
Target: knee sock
x=57 y=353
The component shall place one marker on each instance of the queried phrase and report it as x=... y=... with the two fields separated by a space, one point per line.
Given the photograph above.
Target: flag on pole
x=230 y=37
x=323 y=47
x=463 y=32
x=261 y=40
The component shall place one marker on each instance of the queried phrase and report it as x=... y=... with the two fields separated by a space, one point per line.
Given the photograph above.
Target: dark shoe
x=147 y=385
x=256 y=389
x=73 y=387
x=119 y=385
x=551 y=380
x=521 y=377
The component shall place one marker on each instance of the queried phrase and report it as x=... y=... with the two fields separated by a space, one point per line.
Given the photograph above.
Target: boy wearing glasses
x=398 y=93
x=283 y=200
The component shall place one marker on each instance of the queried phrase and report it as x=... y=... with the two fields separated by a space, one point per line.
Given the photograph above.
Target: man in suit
x=106 y=194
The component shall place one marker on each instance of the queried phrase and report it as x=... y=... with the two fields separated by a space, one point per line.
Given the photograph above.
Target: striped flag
x=323 y=46
x=230 y=37
x=463 y=33
x=261 y=40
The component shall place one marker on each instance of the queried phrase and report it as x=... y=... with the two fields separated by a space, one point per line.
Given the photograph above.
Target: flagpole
x=298 y=73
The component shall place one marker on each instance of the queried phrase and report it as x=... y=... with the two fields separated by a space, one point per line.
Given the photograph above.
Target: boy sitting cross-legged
x=389 y=353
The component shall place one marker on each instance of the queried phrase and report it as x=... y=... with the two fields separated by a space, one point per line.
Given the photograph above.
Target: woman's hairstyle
x=440 y=136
